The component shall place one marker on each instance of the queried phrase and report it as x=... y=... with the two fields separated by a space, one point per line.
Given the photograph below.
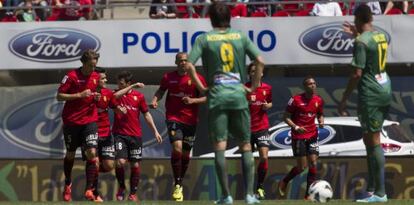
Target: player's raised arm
x=259 y=66
x=123 y=91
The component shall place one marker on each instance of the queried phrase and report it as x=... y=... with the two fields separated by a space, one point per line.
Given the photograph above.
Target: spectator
x=159 y=11
x=201 y=10
x=403 y=6
x=326 y=9
x=26 y=13
x=258 y=10
x=9 y=17
x=238 y=9
x=70 y=10
x=11 y=3
x=373 y=5
x=41 y=13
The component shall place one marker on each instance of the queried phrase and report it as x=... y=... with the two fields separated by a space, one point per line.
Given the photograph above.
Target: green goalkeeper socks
x=248 y=171
x=371 y=170
x=220 y=161
x=379 y=171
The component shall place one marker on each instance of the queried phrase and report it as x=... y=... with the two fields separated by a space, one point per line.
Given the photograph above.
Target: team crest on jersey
x=135 y=98
x=94 y=81
x=189 y=82
x=252 y=97
x=104 y=98
x=264 y=92
x=316 y=105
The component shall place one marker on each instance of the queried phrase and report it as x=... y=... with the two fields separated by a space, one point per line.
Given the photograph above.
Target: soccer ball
x=320 y=191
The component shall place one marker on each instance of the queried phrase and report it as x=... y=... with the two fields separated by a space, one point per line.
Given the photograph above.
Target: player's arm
x=358 y=62
x=190 y=68
x=253 y=52
x=194 y=55
x=267 y=105
x=258 y=73
x=321 y=120
x=151 y=124
x=124 y=91
x=288 y=120
x=157 y=97
x=320 y=116
x=189 y=101
x=66 y=96
x=200 y=98
x=352 y=84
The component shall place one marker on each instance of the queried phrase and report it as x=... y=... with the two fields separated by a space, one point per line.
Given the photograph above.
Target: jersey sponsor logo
x=282 y=137
x=226 y=78
x=35 y=125
x=330 y=40
x=53 y=45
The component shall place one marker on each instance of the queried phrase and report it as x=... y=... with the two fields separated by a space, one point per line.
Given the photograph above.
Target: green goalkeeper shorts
x=372 y=117
x=222 y=122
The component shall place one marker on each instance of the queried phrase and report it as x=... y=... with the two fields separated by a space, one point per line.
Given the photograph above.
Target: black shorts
x=260 y=139
x=305 y=147
x=128 y=147
x=106 y=148
x=180 y=131
x=84 y=136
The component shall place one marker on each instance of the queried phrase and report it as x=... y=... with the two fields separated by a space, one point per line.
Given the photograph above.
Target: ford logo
x=53 y=45
x=281 y=138
x=330 y=40
x=35 y=125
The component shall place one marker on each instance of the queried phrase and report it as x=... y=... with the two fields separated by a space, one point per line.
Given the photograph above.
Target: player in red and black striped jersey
x=181 y=114
x=260 y=101
x=128 y=135
x=79 y=115
x=300 y=115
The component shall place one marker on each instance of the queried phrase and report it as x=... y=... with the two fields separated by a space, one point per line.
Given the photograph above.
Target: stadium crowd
x=67 y=10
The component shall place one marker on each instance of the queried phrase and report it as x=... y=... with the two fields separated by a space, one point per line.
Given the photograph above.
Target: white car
x=341 y=136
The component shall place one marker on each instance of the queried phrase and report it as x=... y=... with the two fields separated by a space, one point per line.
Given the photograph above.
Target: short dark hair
x=307 y=78
x=250 y=67
x=126 y=75
x=179 y=54
x=363 y=13
x=100 y=70
x=88 y=55
x=219 y=15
